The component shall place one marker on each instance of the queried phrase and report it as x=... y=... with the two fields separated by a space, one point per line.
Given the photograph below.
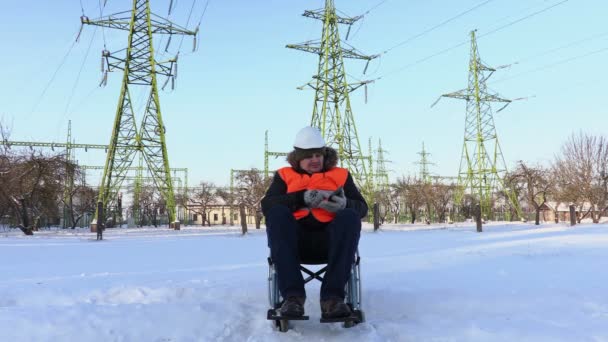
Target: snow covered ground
x=513 y=282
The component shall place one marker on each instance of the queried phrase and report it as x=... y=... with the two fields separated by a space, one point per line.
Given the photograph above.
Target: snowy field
x=513 y=282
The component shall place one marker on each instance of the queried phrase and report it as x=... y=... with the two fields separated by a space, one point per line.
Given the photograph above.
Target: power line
x=522 y=19
x=374 y=7
x=465 y=42
x=67 y=106
x=46 y=87
x=187 y=22
x=548 y=66
x=202 y=15
x=580 y=41
x=437 y=26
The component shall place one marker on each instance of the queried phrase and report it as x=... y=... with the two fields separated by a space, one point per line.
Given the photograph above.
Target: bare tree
x=410 y=188
x=202 y=200
x=151 y=206
x=582 y=174
x=383 y=198
x=80 y=201
x=440 y=196
x=395 y=203
x=31 y=187
x=230 y=198
x=251 y=187
x=536 y=184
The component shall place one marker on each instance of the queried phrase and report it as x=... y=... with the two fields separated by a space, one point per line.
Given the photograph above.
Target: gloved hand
x=312 y=198
x=335 y=202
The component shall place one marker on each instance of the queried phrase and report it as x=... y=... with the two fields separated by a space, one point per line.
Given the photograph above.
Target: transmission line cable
x=67 y=106
x=101 y=8
x=187 y=22
x=466 y=42
x=375 y=6
x=580 y=41
x=200 y=20
x=197 y=26
x=522 y=19
x=437 y=26
x=548 y=66
x=203 y=14
x=46 y=87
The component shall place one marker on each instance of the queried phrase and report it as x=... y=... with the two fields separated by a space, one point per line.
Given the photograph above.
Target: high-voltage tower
x=425 y=175
x=139 y=69
x=381 y=174
x=482 y=165
x=332 y=112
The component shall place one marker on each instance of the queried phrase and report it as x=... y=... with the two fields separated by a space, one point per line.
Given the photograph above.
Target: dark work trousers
x=292 y=243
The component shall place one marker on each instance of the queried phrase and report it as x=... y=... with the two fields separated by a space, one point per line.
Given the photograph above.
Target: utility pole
x=332 y=112
x=140 y=69
x=482 y=165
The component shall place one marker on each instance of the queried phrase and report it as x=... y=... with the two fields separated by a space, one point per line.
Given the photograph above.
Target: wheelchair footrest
x=273 y=315
x=355 y=317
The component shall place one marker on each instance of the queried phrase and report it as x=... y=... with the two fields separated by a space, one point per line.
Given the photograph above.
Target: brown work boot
x=293 y=306
x=334 y=308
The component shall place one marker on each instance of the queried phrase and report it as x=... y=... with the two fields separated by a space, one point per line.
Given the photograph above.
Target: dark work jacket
x=277 y=195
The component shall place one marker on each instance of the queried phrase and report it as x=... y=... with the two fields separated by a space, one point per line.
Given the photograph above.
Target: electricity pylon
x=482 y=165
x=69 y=181
x=425 y=175
x=381 y=174
x=140 y=69
x=268 y=154
x=332 y=112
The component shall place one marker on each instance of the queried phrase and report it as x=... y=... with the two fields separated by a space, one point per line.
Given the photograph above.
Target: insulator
x=365 y=93
x=172 y=83
x=170 y=5
x=194 y=44
x=165 y=84
x=104 y=79
x=175 y=71
x=366 y=65
x=79 y=32
x=168 y=42
x=102 y=62
x=348 y=32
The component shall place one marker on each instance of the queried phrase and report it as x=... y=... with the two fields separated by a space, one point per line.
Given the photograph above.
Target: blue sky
x=242 y=80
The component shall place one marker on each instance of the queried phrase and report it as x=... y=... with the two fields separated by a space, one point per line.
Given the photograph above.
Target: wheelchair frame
x=352 y=294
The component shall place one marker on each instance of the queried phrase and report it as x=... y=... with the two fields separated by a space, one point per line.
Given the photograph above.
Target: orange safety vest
x=330 y=180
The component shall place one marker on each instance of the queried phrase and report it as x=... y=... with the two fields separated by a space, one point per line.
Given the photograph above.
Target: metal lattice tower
x=482 y=165
x=267 y=154
x=140 y=69
x=382 y=182
x=332 y=112
x=69 y=181
x=424 y=162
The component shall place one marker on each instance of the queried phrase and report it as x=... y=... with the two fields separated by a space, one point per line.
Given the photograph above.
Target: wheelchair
x=352 y=292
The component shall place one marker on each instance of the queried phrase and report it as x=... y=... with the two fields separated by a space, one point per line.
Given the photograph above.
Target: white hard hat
x=309 y=137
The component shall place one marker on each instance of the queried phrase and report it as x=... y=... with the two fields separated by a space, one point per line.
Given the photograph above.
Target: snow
x=513 y=282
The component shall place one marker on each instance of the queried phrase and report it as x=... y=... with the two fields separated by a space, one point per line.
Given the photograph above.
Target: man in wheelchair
x=313 y=209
